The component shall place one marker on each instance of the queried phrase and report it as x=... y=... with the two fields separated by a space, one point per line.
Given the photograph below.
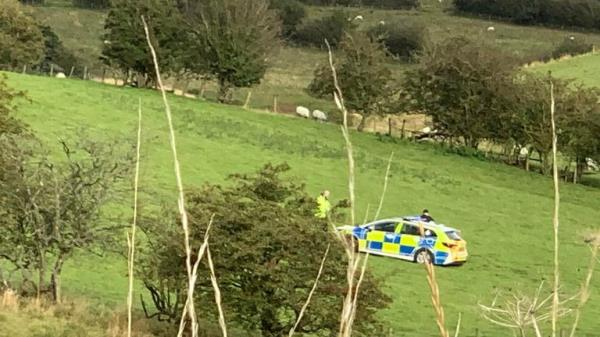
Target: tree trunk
x=56 y=281
x=223 y=92
x=41 y=274
x=361 y=125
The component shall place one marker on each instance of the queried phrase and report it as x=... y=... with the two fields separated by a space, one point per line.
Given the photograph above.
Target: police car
x=409 y=238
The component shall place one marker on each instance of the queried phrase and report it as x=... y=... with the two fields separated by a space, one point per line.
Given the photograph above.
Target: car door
x=409 y=239
x=382 y=237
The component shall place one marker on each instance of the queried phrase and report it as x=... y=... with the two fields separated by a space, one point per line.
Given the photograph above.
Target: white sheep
x=302 y=112
x=491 y=29
x=320 y=115
x=426 y=129
x=382 y=22
x=61 y=75
x=359 y=17
x=572 y=38
x=592 y=165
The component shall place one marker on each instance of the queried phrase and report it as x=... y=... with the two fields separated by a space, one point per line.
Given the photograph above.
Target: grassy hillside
x=584 y=69
x=504 y=213
x=292 y=68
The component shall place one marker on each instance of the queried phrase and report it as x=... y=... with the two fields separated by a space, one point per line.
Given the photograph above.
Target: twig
x=215 y=284
x=131 y=240
x=457 y=331
x=555 y=222
x=181 y=200
x=385 y=183
x=310 y=294
x=585 y=292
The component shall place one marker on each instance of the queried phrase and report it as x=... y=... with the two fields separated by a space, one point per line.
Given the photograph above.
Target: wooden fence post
x=85 y=72
x=390 y=126
x=51 y=69
x=103 y=74
x=24 y=69
x=402 y=135
x=247 y=103
x=275 y=103
x=71 y=72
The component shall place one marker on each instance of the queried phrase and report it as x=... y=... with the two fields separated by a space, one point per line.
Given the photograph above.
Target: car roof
x=413 y=219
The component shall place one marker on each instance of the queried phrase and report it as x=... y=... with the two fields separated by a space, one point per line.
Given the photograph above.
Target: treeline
x=387 y=4
x=571 y=13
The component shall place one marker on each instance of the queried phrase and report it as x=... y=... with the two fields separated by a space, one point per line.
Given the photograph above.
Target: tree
x=291 y=13
x=125 y=45
x=8 y=124
x=461 y=85
x=51 y=209
x=233 y=40
x=92 y=4
x=55 y=53
x=363 y=76
x=401 y=39
x=267 y=246
x=21 y=42
x=332 y=28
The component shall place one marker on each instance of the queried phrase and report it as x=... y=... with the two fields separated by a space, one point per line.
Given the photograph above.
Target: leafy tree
x=363 y=76
x=461 y=85
x=51 y=209
x=92 y=4
x=331 y=28
x=402 y=40
x=8 y=124
x=125 y=45
x=291 y=13
x=266 y=245
x=233 y=40
x=21 y=42
x=572 y=46
x=55 y=52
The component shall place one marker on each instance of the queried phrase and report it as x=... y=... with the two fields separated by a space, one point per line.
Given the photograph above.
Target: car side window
x=389 y=227
x=409 y=229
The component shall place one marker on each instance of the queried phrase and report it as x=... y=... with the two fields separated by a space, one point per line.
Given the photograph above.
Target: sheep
x=359 y=17
x=320 y=115
x=426 y=129
x=302 y=112
x=491 y=29
x=382 y=22
x=572 y=38
x=592 y=165
x=61 y=75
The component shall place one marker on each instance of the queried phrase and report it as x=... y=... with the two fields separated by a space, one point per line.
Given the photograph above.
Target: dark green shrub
x=92 y=4
x=388 y=4
x=572 y=46
x=291 y=13
x=332 y=28
x=55 y=53
x=402 y=40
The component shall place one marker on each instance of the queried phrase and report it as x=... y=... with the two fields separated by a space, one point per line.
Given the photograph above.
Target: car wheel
x=423 y=256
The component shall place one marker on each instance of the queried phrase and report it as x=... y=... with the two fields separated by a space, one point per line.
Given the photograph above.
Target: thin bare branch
x=131 y=239
x=385 y=184
x=310 y=294
x=585 y=288
x=457 y=330
x=555 y=222
x=217 y=290
x=181 y=200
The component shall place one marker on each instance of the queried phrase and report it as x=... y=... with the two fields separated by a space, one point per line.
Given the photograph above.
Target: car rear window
x=454 y=235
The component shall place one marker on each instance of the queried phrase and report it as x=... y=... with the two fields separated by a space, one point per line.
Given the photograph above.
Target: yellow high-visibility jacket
x=323 y=207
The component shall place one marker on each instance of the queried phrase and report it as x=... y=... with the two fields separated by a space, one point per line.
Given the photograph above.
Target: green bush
x=572 y=46
x=55 y=53
x=402 y=40
x=92 y=4
x=291 y=13
x=331 y=28
x=574 y=13
x=388 y=4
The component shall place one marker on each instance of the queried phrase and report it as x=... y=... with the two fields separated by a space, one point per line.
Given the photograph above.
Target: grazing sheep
x=382 y=22
x=320 y=115
x=571 y=38
x=592 y=165
x=359 y=17
x=426 y=129
x=491 y=29
x=302 y=112
x=61 y=75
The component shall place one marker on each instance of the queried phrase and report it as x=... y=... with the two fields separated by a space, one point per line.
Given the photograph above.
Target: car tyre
x=423 y=255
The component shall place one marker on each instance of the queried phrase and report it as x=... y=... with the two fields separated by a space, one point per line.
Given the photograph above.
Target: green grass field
x=584 y=69
x=504 y=213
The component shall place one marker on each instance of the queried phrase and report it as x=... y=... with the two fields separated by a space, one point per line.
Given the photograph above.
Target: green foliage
x=8 y=124
x=291 y=13
x=461 y=85
x=233 y=41
x=573 y=13
x=92 y=4
x=50 y=209
x=125 y=45
x=386 y=4
x=267 y=247
x=33 y=2
x=572 y=46
x=55 y=53
x=365 y=80
x=331 y=28
x=402 y=39
x=21 y=42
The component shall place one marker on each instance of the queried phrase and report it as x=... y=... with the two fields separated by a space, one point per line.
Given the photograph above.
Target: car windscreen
x=454 y=235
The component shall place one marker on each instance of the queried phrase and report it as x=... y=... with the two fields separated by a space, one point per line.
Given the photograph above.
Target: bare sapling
x=310 y=294
x=217 y=290
x=555 y=222
x=385 y=184
x=131 y=234
x=189 y=307
x=593 y=239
